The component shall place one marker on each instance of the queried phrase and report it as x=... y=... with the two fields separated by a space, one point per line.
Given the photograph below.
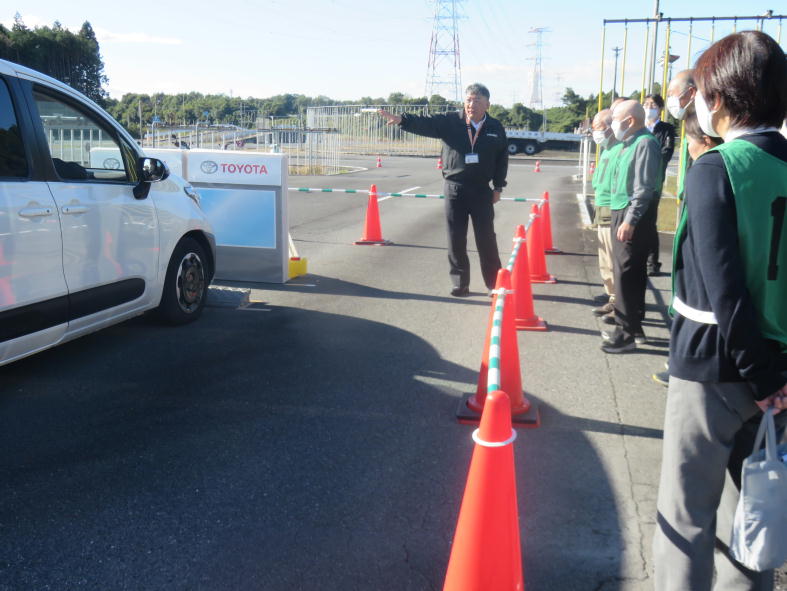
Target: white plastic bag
x=759 y=531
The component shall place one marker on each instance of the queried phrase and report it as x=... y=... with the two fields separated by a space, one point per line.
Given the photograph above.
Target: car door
x=33 y=294
x=110 y=238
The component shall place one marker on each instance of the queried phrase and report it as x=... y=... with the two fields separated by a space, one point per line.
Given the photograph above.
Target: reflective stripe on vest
x=687 y=311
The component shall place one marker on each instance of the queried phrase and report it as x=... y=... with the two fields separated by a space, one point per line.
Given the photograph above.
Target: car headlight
x=189 y=190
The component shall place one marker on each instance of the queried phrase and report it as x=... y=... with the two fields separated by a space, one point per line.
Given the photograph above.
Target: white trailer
x=531 y=142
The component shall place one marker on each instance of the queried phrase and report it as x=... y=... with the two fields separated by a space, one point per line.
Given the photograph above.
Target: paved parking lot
x=302 y=436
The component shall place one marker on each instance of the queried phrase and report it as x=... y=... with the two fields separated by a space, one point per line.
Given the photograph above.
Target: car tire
x=530 y=149
x=513 y=148
x=186 y=284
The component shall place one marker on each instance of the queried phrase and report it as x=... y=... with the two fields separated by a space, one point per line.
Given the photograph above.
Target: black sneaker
x=608 y=318
x=654 y=270
x=661 y=377
x=605 y=309
x=617 y=343
x=460 y=292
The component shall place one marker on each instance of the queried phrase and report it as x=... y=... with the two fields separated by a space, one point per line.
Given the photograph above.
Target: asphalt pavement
x=303 y=436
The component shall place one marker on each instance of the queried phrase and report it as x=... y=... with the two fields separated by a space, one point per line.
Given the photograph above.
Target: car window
x=81 y=146
x=13 y=161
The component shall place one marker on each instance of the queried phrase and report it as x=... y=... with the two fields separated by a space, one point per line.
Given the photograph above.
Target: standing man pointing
x=474 y=154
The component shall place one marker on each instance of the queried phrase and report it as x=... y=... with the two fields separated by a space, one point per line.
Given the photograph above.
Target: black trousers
x=473 y=202
x=653 y=239
x=629 y=265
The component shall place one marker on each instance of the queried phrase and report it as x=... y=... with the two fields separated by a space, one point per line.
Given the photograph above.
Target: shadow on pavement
x=284 y=450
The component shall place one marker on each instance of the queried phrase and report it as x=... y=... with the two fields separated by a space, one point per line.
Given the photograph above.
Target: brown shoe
x=602 y=310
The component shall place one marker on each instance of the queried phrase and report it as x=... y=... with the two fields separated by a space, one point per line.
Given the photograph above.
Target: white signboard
x=234 y=168
x=172 y=157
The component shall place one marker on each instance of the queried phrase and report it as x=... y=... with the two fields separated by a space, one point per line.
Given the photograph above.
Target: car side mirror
x=152 y=170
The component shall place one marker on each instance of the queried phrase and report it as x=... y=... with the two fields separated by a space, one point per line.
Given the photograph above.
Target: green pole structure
x=645 y=63
x=623 y=71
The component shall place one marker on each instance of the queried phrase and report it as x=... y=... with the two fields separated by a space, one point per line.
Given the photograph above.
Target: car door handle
x=72 y=209
x=35 y=212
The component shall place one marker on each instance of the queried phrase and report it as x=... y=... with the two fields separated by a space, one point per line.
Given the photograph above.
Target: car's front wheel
x=186 y=284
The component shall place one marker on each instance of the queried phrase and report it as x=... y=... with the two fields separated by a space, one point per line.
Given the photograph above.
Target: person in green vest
x=680 y=102
x=636 y=183
x=728 y=342
x=602 y=185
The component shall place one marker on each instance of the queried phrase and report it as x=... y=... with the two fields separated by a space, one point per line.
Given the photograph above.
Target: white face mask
x=617 y=130
x=704 y=115
x=652 y=114
x=674 y=108
x=601 y=138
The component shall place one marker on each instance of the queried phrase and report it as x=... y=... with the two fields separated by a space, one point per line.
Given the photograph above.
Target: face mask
x=674 y=108
x=704 y=115
x=600 y=137
x=652 y=114
x=617 y=130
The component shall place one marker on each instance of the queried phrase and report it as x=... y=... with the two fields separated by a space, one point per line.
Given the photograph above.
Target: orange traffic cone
x=526 y=318
x=379 y=162
x=501 y=354
x=486 y=554
x=538 y=166
x=372 y=232
x=546 y=229
x=439 y=164
x=592 y=167
x=535 y=251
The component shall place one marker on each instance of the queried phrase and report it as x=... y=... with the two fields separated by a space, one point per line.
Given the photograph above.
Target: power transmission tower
x=536 y=93
x=444 y=71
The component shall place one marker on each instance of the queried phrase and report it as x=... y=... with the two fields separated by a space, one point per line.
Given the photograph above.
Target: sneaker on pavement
x=640 y=338
x=460 y=292
x=608 y=318
x=617 y=343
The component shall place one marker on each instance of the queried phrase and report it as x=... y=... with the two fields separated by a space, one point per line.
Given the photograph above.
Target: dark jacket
x=665 y=133
x=712 y=277
x=491 y=147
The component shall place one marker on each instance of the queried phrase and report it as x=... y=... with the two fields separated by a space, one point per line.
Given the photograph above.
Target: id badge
x=471 y=158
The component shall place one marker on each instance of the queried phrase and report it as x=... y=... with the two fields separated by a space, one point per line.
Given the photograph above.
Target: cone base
x=543 y=279
x=466 y=416
x=553 y=251
x=534 y=323
x=377 y=242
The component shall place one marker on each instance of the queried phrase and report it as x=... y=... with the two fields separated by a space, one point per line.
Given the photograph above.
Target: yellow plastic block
x=297 y=267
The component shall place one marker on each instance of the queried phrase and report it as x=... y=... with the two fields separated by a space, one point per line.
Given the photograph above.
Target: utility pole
x=617 y=50
x=444 y=68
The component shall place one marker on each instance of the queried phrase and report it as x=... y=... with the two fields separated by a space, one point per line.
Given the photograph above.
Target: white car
x=92 y=232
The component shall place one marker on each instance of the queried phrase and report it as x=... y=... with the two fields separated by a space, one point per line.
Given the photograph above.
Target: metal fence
x=314 y=146
x=363 y=131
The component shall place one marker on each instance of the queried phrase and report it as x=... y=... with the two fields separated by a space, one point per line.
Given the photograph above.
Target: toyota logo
x=208 y=167
x=112 y=163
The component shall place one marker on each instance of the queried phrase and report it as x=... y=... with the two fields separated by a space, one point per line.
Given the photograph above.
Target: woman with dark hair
x=728 y=347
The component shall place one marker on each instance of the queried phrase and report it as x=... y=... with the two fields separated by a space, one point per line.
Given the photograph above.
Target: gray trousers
x=703 y=424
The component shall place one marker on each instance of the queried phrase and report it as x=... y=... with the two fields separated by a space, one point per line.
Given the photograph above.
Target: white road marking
x=402 y=191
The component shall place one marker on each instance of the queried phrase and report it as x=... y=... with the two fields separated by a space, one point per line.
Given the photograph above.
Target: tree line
x=75 y=59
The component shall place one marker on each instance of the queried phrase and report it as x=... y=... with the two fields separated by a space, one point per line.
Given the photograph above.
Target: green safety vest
x=759 y=185
x=620 y=196
x=685 y=164
x=604 y=175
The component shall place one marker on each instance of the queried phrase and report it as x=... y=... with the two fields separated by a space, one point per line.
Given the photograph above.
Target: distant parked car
x=92 y=231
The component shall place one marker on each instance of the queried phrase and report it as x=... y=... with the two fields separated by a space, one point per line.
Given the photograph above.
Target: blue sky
x=347 y=49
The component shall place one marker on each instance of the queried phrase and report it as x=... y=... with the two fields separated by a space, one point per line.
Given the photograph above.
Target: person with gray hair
x=637 y=182
x=602 y=185
x=474 y=154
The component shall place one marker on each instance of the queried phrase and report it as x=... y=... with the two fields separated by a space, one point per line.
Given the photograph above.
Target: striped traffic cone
x=526 y=318
x=535 y=250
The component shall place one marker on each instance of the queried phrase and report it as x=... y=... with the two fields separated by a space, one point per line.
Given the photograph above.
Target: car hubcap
x=190 y=283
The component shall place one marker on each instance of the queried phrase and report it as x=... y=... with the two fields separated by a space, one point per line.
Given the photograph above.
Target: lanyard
x=474 y=138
